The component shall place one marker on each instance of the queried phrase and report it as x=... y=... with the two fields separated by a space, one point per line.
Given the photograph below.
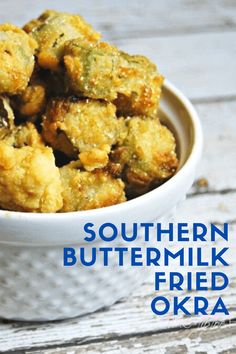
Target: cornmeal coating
x=32 y=101
x=147 y=155
x=29 y=179
x=83 y=190
x=52 y=29
x=16 y=59
x=24 y=135
x=17 y=136
x=101 y=71
x=43 y=85
x=6 y=117
x=85 y=127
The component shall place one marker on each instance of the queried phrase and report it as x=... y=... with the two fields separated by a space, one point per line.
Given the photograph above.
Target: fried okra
x=85 y=127
x=6 y=117
x=101 y=71
x=83 y=190
x=16 y=59
x=147 y=155
x=52 y=29
x=24 y=135
x=16 y=135
x=94 y=105
x=32 y=101
x=44 y=84
x=29 y=179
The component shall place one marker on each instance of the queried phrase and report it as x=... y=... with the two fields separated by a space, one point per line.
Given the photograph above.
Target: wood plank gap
x=187 y=31
x=213 y=99
x=211 y=192
x=117 y=337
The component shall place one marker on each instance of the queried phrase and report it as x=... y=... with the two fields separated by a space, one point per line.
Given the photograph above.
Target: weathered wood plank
x=207 y=338
x=202 y=65
x=207 y=208
x=132 y=19
x=219 y=154
x=133 y=315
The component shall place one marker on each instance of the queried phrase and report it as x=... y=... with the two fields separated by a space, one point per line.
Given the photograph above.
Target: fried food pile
x=78 y=119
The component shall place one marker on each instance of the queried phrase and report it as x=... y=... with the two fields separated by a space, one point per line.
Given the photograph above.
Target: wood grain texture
x=208 y=208
x=210 y=338
x=133 y=19
x=219 y=152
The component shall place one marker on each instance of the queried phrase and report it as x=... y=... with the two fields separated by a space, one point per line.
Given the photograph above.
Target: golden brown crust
x=6 y=117
x=95 y=105
x=84 y=190
x=85 y=127
x=16 y=135
x=147 y=155
x=32 y=101
x=30 y=105
x=52 y=29
x=29 y=179
x=101 y=71
x=24 y=135
x=16 y=59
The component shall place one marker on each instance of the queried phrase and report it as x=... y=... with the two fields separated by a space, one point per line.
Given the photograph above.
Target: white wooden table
x=194 y=45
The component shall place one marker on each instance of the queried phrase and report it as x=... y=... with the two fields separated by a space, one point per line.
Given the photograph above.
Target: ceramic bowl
x=35 y=285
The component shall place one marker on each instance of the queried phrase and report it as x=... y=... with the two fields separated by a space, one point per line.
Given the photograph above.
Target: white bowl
x=35 y=285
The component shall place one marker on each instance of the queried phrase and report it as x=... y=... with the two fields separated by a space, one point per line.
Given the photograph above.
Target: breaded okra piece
x=147 y=155
x=16 y=59
x=83 y=190
x=85 y=127
x=29 y=179
x=6 y=118
x=32 y=101
x=52 y=29
x=24 y=135
x=16 y=135
x=101 y=71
